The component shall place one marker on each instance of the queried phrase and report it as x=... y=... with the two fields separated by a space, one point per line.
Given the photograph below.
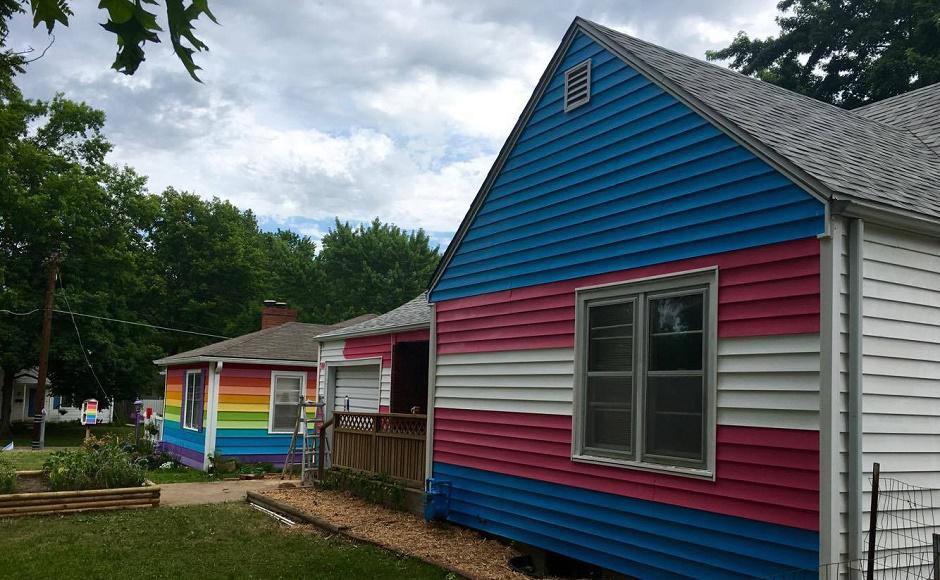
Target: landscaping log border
x=303 y=517
x=65 y=502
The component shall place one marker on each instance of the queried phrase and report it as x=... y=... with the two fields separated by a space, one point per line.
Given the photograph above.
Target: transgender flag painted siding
x=503 y=401
x=370 y=347
x=630 y=185
x=631 y=179
x=765 y=290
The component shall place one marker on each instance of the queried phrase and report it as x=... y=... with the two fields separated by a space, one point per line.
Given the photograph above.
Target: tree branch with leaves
x=134 y=26
x=847 y=53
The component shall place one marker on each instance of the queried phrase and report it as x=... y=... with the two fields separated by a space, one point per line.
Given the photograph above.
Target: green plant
x=101 y=464
x=7 y=476
x=378 y=489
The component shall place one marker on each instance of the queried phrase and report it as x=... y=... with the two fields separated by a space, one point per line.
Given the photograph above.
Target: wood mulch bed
x=462 y=550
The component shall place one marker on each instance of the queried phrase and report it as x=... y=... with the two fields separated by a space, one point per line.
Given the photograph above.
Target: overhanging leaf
x=133 y=27
x=180 y=19
x=49 y=12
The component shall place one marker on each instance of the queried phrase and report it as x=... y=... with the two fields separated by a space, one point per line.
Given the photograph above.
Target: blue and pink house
x=645 y=336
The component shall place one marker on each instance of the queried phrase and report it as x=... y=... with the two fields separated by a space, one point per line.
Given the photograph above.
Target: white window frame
x=271 y=402
x=678 y=283
x=185 y=412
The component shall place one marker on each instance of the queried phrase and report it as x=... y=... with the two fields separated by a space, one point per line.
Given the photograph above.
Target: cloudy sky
x=355 y=109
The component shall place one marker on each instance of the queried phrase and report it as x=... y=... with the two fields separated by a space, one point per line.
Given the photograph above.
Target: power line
x=81 y=345
x=155 y=326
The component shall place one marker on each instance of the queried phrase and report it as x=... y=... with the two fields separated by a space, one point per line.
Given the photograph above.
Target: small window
x=287 y=389
x=644 y=363
x=192 y=401
x=578 y=85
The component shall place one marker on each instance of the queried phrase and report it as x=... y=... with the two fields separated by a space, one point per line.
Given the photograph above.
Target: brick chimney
x=276 y=313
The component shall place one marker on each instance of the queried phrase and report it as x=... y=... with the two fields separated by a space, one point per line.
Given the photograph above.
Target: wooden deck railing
x=387 y=444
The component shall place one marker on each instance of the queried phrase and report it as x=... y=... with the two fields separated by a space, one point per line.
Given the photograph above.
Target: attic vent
x=578 y=85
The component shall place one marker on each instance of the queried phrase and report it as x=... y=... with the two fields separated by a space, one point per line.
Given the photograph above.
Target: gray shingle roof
x=917 y=111
x=292 y=341
x=848 y=153
x=415 y=313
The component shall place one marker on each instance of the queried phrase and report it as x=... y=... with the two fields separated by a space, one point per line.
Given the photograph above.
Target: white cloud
x=358 y=109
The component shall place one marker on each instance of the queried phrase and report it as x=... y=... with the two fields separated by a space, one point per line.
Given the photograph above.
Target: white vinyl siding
x=332 y=352
x=763 y=381
x=361 y=383
x=901 y=359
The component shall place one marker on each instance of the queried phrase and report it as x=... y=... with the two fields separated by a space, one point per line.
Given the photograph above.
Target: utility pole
x=39 y=401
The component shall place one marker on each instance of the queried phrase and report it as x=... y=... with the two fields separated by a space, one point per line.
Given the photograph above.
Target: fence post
x=873 y=520
x=936 y=556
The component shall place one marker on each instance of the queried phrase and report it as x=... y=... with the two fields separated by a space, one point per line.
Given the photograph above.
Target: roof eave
x=375 y=332
x=165 y=362
x=886 y=215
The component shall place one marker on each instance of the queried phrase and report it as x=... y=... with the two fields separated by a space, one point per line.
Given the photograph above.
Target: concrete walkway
x=175 y=494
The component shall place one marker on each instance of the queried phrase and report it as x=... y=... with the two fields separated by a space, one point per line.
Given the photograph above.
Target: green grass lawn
x=27 y=460
x=65 y=434
x=217 y=541
x=179 y=475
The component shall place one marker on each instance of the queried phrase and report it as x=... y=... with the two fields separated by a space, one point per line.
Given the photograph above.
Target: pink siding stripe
x=381 y=345
x=770 y=475
x=761 y=291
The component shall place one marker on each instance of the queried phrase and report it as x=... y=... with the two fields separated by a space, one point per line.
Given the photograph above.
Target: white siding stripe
x=769 y=381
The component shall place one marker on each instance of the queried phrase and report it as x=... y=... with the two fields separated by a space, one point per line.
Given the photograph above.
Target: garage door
x=361 y=384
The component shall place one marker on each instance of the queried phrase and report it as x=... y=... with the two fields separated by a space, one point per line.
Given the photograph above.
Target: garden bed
x=464 y=552
x=33 y=498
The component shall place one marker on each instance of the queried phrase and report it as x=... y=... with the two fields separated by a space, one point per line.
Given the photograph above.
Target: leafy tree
x=372 y=268
x=211 y=265
x=293 y=273
x=845 y=52
x=131 y=23
x=57 y=194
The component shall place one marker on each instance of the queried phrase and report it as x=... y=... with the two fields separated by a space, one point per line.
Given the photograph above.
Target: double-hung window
x=287 y=389
x=645 y=353
x=192 y=401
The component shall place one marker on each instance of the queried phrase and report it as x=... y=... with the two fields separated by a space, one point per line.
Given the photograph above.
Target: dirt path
x=174 y=494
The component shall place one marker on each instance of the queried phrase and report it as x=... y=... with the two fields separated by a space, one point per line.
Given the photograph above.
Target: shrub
x=7 y=476
x=379 y=489
x=99 y=464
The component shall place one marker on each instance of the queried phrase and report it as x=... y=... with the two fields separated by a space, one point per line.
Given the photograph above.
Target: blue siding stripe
x=641 y=538
x=628 y=219
x=193 y=440
x=607 y=209
x=633 y=178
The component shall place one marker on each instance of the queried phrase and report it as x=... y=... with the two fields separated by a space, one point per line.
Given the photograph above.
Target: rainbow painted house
x=238 y=398
x=646 y=333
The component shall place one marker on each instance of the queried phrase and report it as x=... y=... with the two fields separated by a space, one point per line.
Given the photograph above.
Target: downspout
x=212 y=410
x=856 y=236
x=432 y=381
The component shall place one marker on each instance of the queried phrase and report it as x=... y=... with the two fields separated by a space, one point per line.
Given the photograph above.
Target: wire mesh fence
x=902 y=540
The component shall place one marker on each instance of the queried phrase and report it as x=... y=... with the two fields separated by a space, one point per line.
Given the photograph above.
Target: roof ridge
x=893 y=98
x=741 y=76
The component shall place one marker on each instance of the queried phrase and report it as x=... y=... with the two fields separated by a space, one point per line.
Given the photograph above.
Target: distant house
x=238 y=398
x=685 y=314
x=58 y=409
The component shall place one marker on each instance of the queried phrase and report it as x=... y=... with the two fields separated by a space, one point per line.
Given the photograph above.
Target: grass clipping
x=461 y=549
